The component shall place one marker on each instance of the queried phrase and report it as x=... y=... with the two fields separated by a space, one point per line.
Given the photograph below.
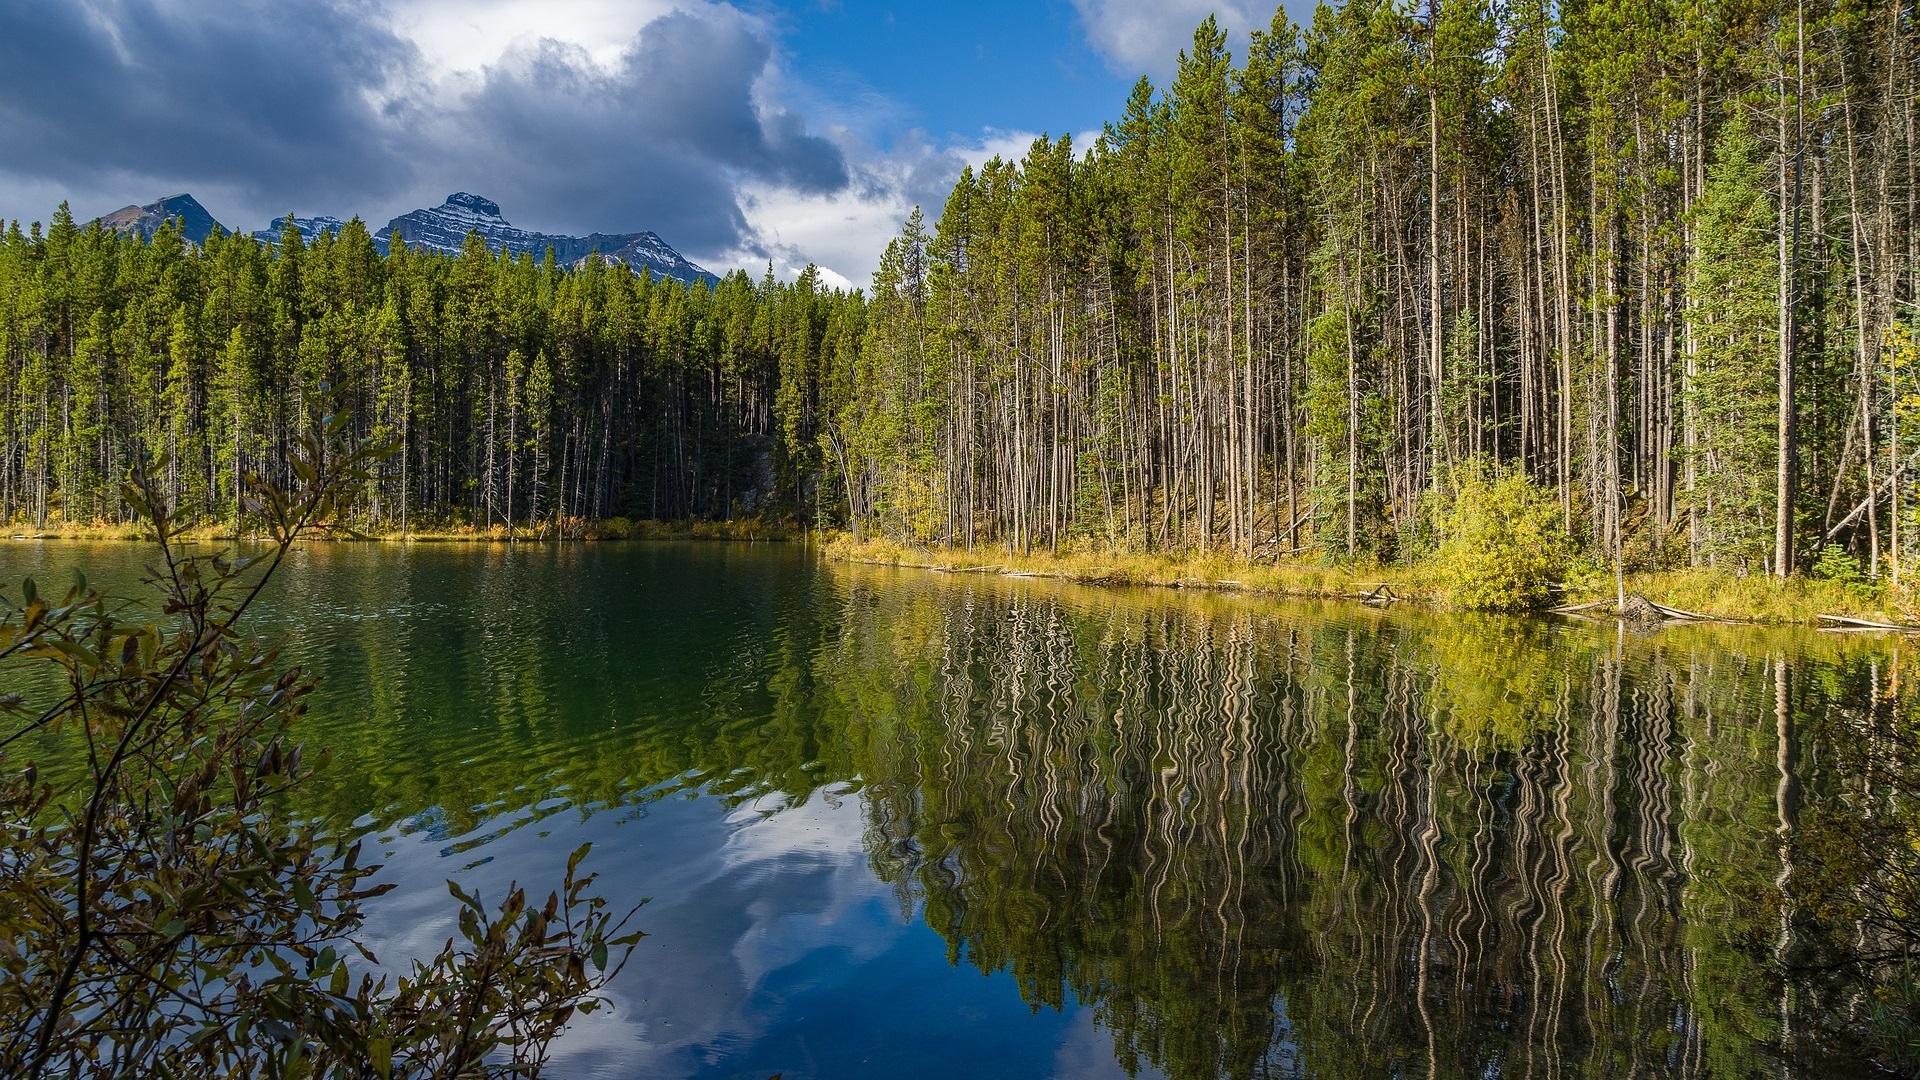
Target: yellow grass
x=1702 y=592
x=1759 y=599
x=1188 y=571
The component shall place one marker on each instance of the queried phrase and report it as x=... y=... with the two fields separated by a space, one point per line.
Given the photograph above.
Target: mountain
x=310 y=228
x=195 y=223
x=441 y=228
x=445 y=227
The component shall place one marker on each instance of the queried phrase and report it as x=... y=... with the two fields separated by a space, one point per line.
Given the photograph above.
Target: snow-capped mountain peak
x=310 y=228
x=445 y=227
x=481 y=208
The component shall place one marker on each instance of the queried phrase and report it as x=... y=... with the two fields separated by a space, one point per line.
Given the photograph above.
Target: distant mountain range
x=441 y=228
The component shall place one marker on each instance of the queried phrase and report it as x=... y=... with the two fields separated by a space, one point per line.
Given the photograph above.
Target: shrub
x=1502 y=541
x=614 y=528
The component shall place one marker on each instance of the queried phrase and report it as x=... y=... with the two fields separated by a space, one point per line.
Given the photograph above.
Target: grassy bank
x=1173 y=571
x=1763 y=599
x=1704 y=592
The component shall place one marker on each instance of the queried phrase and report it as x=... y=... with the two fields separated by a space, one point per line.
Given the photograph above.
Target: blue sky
x=955 y=70
x=743 y=131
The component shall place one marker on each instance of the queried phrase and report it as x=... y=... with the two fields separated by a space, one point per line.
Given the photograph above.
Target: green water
x=903 y=824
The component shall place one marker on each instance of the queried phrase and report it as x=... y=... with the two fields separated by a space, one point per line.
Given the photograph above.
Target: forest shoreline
x=1798 y=601
x=741 y=531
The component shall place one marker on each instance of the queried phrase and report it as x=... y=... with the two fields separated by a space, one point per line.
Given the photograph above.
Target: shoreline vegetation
x=1713 y=596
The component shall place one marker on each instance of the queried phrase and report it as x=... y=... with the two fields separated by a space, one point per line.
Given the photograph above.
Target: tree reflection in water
x=1335 y=843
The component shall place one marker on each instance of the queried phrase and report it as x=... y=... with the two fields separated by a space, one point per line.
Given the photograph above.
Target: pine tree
x=1733 y=325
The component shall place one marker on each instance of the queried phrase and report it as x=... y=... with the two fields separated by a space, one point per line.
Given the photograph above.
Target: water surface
x=901 y=824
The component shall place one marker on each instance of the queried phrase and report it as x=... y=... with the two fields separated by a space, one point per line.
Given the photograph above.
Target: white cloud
x=1145 y=37
x=843 y=233
x=465 y=35
x=1005 y=145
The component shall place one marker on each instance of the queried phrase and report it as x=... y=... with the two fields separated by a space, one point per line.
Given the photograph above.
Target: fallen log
x=1865 y=624
x=1676 y=613
x=1575 y=609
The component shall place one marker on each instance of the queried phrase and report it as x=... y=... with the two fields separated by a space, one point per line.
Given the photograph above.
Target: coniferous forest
x=1660 y=258
x=512 y=391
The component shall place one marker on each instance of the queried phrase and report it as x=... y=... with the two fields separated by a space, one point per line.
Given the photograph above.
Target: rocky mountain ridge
x=310 y=228
x=443 y=228
x=195 y=223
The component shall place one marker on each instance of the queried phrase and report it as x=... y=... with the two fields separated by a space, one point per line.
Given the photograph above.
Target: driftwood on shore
x=1381 y=593
x=1686 y=616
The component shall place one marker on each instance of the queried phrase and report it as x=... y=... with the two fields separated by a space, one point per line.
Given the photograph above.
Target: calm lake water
x=902 y=824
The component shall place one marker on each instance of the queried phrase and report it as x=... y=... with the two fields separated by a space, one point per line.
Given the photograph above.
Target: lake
x=893 y=823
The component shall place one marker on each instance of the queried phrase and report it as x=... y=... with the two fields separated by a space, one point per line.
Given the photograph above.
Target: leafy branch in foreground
x=162 y=913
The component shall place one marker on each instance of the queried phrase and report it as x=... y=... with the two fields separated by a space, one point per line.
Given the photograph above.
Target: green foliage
x=1840 y=566
x=162 y=914
x=1264 y=311
x=1836 y=564
x=1734 y=319
x=1892 y=1025
x=1503 y=541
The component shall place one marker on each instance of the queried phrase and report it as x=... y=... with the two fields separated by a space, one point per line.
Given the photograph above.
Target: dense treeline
x=515 y=393
x=1281 y=306
x=1659 y=258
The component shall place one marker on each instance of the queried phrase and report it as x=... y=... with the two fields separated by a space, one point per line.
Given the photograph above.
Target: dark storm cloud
x=264 y=100
x=654 y=141
x=315 y=105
